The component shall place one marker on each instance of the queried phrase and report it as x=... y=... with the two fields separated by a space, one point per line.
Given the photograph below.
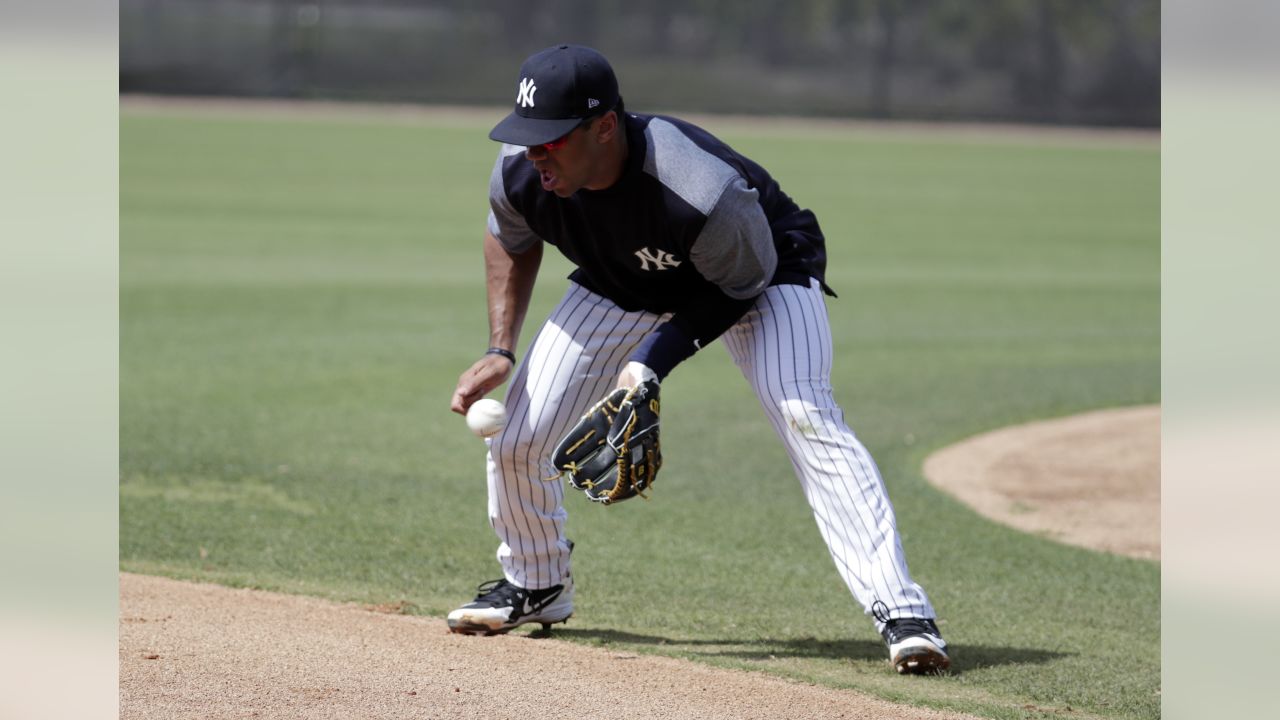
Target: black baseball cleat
x=916 y=646
x=500 y=606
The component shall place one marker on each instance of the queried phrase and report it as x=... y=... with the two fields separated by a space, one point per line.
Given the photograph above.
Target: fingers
x=486 y=374
x=471 y=387
x=462 y=400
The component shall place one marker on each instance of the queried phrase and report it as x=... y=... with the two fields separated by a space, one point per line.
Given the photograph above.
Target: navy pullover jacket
x=690 y=228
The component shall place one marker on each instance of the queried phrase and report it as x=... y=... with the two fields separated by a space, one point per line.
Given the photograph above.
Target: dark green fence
x=1055 y=61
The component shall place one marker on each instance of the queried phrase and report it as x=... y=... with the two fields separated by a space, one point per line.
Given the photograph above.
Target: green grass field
x=298 y=296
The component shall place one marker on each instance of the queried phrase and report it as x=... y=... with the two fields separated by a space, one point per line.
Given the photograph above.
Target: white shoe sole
x=472 y=624
x=919 y=656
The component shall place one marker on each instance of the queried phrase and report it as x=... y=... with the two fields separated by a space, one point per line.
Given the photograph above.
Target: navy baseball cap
x=559 y=88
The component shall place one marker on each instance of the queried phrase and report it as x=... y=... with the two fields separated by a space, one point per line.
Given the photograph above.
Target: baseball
x=486 y=417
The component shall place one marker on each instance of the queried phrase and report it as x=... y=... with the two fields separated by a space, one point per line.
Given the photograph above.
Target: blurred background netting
x=1087 y=62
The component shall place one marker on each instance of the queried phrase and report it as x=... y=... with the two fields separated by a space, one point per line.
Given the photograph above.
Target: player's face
x=566 y=164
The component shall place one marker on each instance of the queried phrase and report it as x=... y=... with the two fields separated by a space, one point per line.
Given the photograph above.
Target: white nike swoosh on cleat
x=530 y=609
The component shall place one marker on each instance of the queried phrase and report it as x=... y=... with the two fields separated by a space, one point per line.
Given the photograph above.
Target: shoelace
x=498 y=591
x=906 y=627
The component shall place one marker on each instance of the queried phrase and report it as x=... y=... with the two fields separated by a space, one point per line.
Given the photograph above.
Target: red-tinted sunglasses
x=564 y=139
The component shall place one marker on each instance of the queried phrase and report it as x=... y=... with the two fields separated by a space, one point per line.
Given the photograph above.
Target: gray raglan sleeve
x=735 y=248
x=505 y=223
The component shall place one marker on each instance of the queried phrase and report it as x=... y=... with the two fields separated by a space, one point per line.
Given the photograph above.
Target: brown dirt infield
x=470 y=116
x=190 y=650
x=1091 y=480
x=202 y=651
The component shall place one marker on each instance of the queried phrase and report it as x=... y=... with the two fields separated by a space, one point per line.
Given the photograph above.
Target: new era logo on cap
x=571 y=83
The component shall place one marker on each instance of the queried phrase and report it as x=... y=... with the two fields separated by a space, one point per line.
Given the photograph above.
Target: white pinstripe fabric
x=573 y=361
x=783 y=347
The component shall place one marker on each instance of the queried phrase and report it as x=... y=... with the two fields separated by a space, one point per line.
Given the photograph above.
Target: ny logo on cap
x=527 y=89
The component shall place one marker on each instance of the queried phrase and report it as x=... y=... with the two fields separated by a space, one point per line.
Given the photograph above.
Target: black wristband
x=503 y=352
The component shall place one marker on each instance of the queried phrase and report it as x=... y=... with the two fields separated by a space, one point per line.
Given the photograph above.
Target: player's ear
x=607 y=126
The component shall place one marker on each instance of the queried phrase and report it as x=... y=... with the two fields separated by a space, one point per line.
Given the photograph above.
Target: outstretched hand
x=486 y=374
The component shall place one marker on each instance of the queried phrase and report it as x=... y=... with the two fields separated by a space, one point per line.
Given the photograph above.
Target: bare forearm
x=509 y=279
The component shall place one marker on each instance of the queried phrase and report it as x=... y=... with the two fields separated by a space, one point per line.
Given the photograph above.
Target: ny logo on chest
x=661 y=259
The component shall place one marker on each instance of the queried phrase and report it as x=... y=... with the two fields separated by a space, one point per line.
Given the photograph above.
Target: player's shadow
x=963 y=658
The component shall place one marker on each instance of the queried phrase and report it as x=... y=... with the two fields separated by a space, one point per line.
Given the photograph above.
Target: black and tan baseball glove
x=612 y=454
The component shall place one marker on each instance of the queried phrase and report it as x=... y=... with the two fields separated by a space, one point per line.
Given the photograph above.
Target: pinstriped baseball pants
x=783 y=348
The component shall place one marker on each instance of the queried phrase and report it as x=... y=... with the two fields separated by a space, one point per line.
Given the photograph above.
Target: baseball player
x=677 y=240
